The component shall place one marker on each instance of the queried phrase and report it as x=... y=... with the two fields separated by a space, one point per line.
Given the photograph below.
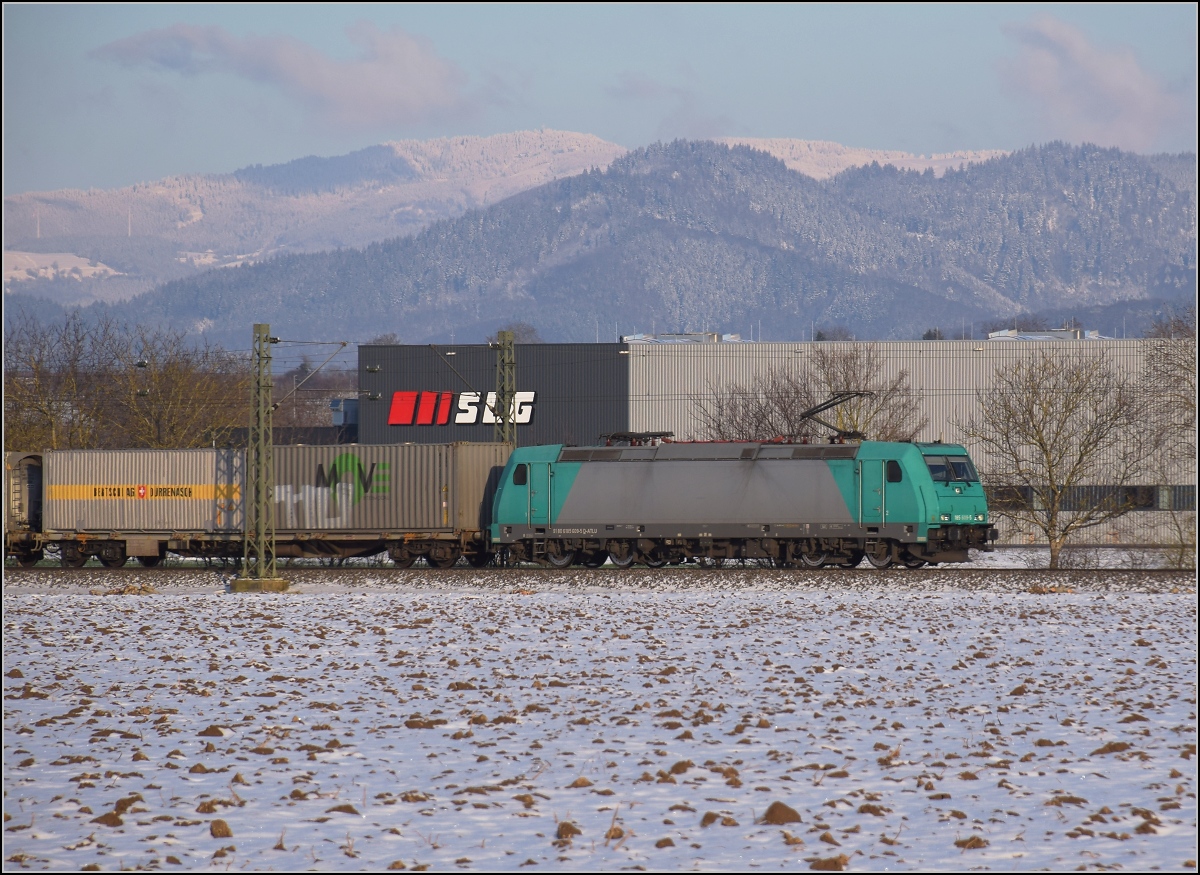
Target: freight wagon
x=789 y=504
x=413 y=501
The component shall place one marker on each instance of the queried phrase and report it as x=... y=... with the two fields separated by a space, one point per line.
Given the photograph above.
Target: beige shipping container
x=477 y=472
x=175 y=491
x=386 y=489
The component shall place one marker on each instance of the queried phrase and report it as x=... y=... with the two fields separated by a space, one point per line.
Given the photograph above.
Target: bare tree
x=1062 y=438
x=390 y=337
x=304 y=393
x=890 y=413
x=771 y=407
x=1171 y=371
x=172 y=395
x=77 y=384
x=1170 y=351
x=56 y=392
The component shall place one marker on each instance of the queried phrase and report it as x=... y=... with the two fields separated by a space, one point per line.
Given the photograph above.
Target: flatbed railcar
x=790 y=504
x=413 y=501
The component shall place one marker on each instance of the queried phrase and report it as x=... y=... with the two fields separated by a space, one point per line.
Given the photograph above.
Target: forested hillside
x=700 y=236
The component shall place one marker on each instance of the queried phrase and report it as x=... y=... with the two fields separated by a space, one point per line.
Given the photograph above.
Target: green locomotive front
x=801 y=505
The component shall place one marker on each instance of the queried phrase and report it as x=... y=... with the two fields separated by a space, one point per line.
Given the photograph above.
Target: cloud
x=634 y=86
x=397 y=78
x=1086 y=93
x=682 y=117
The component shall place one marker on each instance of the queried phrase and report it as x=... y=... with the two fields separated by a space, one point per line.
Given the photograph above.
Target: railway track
x=532 y=579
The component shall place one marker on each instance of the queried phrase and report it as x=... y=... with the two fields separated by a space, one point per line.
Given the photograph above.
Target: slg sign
x=441 y=408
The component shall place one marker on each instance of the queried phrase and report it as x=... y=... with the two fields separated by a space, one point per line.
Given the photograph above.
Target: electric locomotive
x=806 y=505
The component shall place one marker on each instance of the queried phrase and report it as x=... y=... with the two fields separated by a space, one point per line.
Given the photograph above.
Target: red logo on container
x=141 y=491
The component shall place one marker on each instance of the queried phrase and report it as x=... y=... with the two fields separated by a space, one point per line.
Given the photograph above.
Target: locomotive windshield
x=944 y=469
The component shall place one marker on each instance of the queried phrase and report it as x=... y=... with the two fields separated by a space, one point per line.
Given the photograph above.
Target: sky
x=721 y=721
x=103 y=96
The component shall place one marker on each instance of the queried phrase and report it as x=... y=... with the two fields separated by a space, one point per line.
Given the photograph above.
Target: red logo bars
x=427 y=408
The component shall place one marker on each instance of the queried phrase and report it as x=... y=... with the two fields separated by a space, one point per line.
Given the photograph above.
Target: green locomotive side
x=807 y=505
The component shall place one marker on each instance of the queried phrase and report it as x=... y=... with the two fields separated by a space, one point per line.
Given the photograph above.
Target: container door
x=539 y=493
x=872 y=497
x=25 y=495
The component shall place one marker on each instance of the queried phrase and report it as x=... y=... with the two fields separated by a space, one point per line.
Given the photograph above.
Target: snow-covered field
x=571 y=722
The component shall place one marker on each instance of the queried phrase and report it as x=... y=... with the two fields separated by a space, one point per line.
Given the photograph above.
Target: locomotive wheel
x=559 y=557
x=813 y=558
x=908 y=560
x=149 y=561
x=651 y=561
x=113 y=561
x=620 y=553
x=479 y=559
x=880 y=556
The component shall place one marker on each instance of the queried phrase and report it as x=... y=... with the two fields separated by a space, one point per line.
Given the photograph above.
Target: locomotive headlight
x=945 y=517
x=978 y=517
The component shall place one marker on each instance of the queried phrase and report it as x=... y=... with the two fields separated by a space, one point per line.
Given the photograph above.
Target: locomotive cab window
x=945 y=469
x=963 y=469
x=520 y=475
x=894 y=474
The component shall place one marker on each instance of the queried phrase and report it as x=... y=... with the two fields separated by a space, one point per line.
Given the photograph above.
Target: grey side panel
x=699 y=492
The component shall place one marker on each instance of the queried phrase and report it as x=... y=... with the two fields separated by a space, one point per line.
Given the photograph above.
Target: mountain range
x=584 y=240
x=134 y=238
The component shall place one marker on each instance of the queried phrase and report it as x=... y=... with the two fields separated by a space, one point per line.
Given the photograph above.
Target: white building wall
x=669 y=383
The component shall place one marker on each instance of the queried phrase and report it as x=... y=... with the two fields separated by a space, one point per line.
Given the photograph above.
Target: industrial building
x=575 y=393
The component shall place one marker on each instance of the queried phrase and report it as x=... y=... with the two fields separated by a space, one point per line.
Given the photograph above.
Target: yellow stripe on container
x=143 y=491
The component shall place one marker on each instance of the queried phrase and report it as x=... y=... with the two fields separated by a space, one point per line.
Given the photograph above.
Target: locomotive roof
x=707 y=452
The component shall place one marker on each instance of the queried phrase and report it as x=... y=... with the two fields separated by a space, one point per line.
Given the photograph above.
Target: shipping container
x=143 y=490
x=385 y=489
